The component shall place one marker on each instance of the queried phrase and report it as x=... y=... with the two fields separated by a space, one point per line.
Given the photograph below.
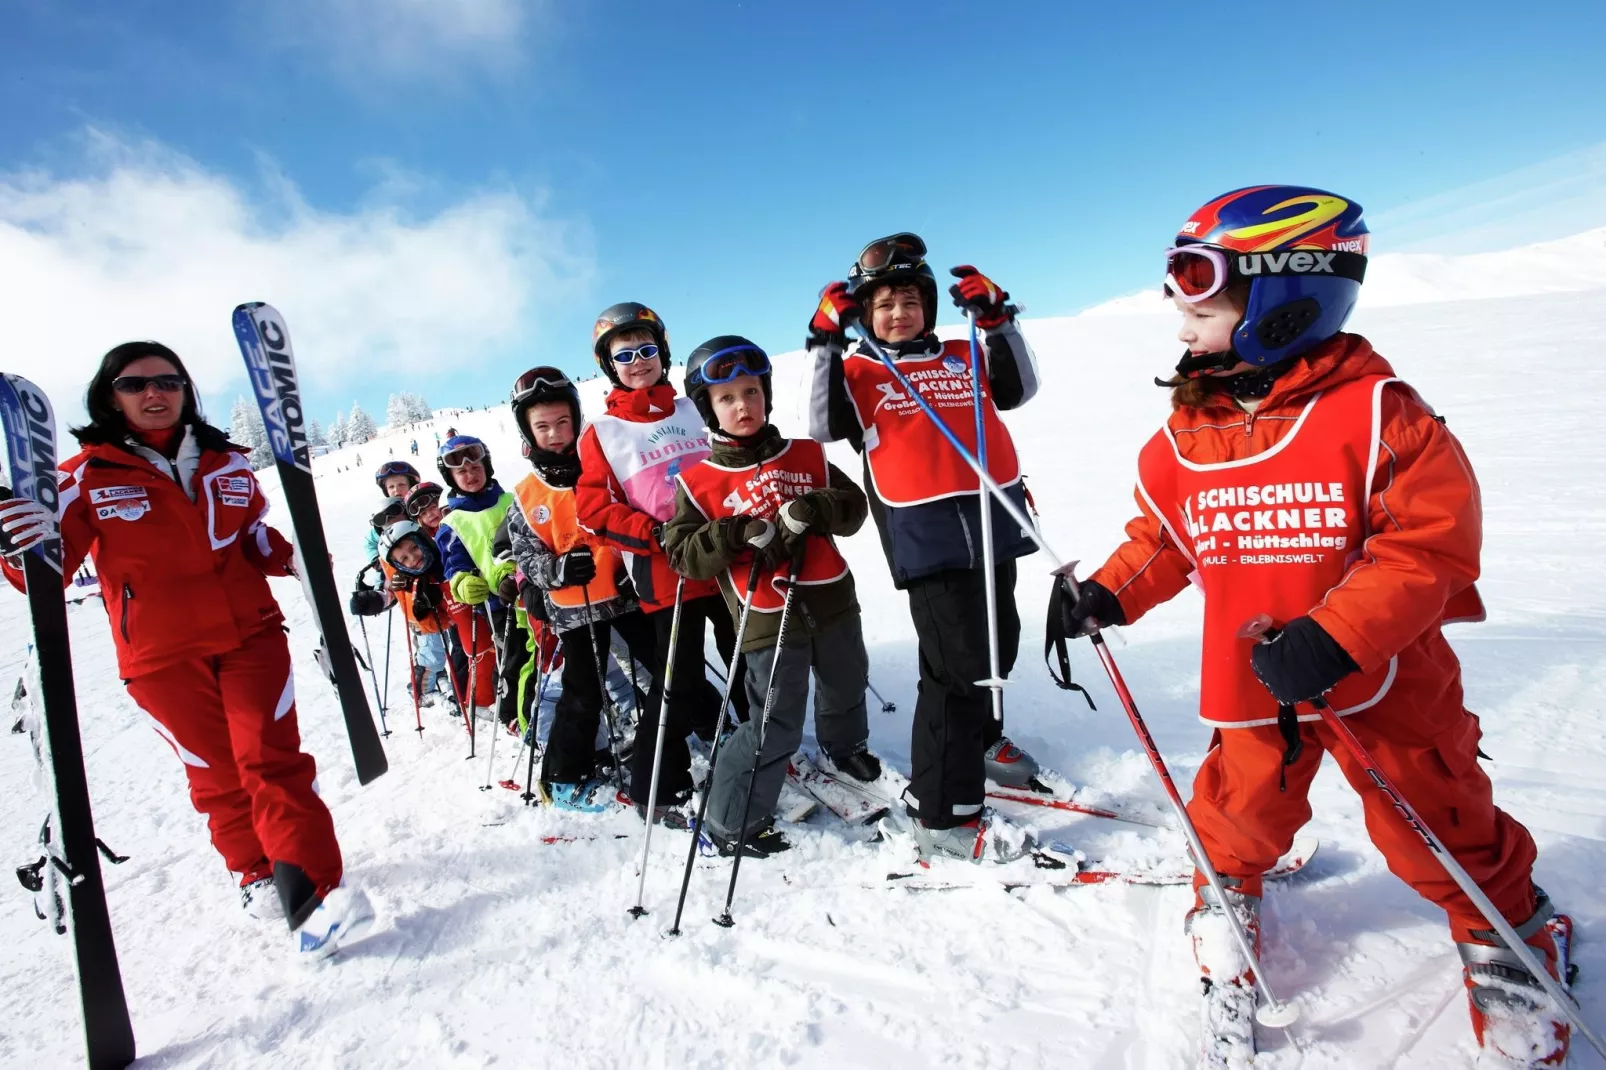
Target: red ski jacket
x=180 y=579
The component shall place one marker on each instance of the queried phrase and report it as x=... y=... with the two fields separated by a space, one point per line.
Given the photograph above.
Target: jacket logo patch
x=237 y=500
x=97 y=495
x=234 y=485
x=132 y=509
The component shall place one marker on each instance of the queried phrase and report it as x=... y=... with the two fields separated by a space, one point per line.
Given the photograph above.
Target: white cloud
x=148 y=244
x=417 y=38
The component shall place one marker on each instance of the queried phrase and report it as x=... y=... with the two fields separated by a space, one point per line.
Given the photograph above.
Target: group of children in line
x=668 y=513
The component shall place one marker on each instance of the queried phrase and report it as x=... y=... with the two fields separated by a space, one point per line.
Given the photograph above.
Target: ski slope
x=496 y=948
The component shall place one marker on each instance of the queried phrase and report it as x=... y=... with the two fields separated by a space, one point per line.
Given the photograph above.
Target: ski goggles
x=136 y=384
x=630 y=356
x=472 y=454
x=395 y=468
x=394 y=510
x=726 y=364
x=531 y=382
x=417 y=503
x=884 y=253
x=1195 y=273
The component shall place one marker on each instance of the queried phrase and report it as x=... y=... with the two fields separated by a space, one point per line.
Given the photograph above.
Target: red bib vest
x=760 y=490
x=1272 y=534
x=910 y=461
x=550 y=512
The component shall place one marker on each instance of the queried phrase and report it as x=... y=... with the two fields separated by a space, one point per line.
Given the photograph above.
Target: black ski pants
x=953 y=723
x=512 y=651
x=693 y=702
x=571 y=756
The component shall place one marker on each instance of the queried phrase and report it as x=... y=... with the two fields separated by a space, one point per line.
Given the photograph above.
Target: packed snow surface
x=496 y=948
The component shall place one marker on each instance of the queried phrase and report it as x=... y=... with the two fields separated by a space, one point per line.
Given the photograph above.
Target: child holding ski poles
x=927 y=507
x=172 y=515
x=1297 y=477
x=629 y=457
x=761 y=493
x=583 y=587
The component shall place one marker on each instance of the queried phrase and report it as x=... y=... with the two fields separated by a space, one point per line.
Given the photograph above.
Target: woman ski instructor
x=172 y=515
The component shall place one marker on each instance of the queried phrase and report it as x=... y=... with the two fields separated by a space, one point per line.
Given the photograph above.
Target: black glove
x=1301 y=662
x=426 y=597
x=575 y=568
x=763 y=538
x=508 y=589
x=1088 y=609
x=366 y=602
x=401 y=582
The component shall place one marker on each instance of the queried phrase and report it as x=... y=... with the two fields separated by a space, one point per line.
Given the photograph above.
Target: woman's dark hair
x=106 y=423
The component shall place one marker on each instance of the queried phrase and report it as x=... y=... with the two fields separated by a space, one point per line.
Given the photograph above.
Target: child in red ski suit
x=1297 y=477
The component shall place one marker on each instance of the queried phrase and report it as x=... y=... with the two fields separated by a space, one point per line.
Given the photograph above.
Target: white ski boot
x=1227 y=1006
x=1009 y=766
x=260 y=898
x=343 y=917
x=987 y=837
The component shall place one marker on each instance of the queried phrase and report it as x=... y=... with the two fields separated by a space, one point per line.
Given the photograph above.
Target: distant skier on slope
x=1297 y=477
x=172 y=515
x=926 y=505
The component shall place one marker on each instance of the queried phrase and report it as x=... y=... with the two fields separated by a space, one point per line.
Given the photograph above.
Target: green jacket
x=701 y=549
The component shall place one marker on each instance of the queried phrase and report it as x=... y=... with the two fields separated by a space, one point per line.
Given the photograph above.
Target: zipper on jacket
x=128 y=596
x=1249 y=424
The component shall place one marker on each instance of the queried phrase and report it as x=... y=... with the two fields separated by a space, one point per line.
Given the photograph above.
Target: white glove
x=24 y=523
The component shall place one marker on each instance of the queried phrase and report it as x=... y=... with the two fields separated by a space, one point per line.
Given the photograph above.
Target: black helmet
x=396 y=468
x=627 y=316
x=719 y=360
x=896 y=259
x=538 y=385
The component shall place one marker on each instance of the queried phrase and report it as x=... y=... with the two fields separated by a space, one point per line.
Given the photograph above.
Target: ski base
x=1041 y=793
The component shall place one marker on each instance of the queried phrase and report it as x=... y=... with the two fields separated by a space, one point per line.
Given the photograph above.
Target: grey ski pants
x=841 y=668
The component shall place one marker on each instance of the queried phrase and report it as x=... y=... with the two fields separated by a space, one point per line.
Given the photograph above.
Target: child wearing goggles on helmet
x=928 y=510
x=409 y=552
x=759 y=493
x=629 y=458
x=1298 y=478
x=581 y=590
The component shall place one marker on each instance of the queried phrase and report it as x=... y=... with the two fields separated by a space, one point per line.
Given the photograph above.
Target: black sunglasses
x=136 y=384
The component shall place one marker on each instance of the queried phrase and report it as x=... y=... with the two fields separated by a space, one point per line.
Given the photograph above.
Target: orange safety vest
x=760 y=490
x=910 y=460
x=405 y=600
x=1272 y=534
x=550 y=512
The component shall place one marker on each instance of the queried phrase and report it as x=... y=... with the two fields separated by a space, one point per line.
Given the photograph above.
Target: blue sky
x=440 y=193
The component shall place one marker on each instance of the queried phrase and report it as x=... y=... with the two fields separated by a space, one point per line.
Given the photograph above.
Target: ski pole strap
x=1293 y=746
x=1054 y=643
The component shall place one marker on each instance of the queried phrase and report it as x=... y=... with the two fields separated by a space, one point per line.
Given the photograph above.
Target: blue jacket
x=455 y=554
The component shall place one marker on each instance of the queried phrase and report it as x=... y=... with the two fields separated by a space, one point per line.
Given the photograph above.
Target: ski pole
x=886 y=707
x=390 y=620
x=658 y=752
x=994 y=682
x=530 y=794
x=449 y=627
x=473 y=679
x=369 y=651
x=1273 y=1012
x=609 y=711
x=728 y=679
x=1263 y=629
x=501 y=689
x=725 y=919
x=412 y=673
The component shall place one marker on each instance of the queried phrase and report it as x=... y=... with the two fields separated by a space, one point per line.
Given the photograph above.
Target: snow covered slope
x=495 y=947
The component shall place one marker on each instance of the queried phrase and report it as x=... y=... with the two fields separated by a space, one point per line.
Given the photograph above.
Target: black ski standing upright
x=265 y=344
x=30 y=428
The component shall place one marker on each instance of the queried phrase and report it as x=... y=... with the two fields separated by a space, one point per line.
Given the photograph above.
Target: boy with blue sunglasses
x=761 y=493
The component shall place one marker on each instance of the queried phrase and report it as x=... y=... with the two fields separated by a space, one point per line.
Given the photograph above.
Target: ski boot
x=985 y=837
x=763 y=843
x=1011 y=767
x=670 y=813
x=259 y=896
x=342 y=917
x=861 y=765
x=1517 y=1024
x=1227 y=1009
x=588 y=797
x=484 y=713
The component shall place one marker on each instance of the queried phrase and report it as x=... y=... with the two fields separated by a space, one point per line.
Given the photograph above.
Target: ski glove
x=366 y=602
x=500 y=579
x=838 y=309
x=760 y=534
x=976 y=293
x=426 y=597
x=1090 y=607
x=401 y=582
x=575 y=568
x=1301 y=662
x=470 y=588
x=799 y=516
x=24 y=523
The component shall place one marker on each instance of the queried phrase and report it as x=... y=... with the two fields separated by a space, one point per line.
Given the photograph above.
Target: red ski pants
x=1246 y=823
x=479 y=646
x=231 y=719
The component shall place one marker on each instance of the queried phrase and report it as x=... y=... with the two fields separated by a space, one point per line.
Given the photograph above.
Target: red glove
x=975 y=292
x=837 y=310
